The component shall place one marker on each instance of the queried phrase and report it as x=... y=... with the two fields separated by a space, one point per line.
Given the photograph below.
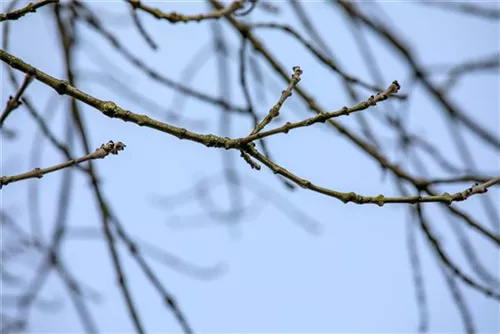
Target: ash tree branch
x=100 y=153
x=110 y=109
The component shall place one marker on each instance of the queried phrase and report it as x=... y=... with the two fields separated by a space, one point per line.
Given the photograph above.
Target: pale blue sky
x=353 y=277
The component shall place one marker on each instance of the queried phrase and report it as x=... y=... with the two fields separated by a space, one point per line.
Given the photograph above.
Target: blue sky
x=354 y=276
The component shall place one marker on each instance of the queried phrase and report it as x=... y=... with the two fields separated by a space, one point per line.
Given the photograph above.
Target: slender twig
x=475 y=66
x=380 y=200
x=99 y=153
x=137 y=22
x=324 y=116
x=15 y=102
x=30 y=8
x=275 y=110
x=417 y=273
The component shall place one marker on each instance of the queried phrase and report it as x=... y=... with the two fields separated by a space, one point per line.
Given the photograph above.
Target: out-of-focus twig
x=456 y=72
x=137 y=22
x=418 y=277
x=465 y=8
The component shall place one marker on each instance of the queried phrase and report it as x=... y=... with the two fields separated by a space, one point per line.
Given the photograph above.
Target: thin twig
x=380 y=200
x=465 y=8
x=30 y=8
x=417 y=273
x=15 y=102
x=137 y=22
x=99 y=153
x=275 y=110
x=324 y=116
